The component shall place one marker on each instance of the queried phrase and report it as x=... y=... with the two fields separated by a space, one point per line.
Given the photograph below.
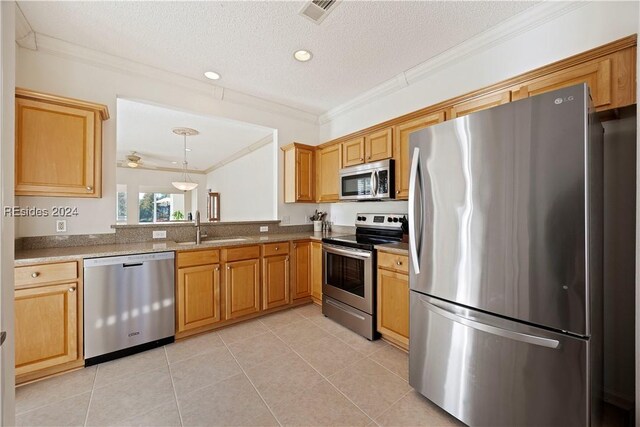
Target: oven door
x=348 y=276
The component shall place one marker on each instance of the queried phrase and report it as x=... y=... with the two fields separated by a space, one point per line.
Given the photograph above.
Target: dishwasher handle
x=133 y=264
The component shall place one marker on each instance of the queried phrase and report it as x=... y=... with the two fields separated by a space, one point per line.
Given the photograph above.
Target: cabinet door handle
x=361 y=158
x=369 y=158
x=35 y=274
x=217 y=268
x=89 y=188
x=397 y=191
x=228 y=268
x=295 y=245
x=398 y=262
x=277 y=248
x=72 y=289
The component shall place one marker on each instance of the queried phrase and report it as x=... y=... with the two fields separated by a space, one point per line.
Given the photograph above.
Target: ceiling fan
x=133 y=160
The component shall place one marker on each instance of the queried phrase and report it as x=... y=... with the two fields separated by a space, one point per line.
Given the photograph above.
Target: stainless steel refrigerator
x=505 y=219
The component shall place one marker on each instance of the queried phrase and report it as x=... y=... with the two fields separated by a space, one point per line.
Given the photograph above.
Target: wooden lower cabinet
x=48 y=320
x=275 y=281
x=242 y=288
x=393 y=306
x=301 y=270
x=316 y=271
x=46 y=326
x=198 y=296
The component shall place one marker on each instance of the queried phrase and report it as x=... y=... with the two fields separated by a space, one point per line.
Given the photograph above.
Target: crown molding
x=25 y=36
x=160 y=169
x=512 y=27
x=235 y=156
x=99 y=59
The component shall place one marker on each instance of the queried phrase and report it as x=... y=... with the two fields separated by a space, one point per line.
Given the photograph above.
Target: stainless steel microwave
x=370 y=181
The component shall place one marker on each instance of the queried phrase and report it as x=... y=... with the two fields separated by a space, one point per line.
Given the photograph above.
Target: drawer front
x=45 y=273
x=245 y=252
x=393 y=262
x=191 y=258
x=275 y=249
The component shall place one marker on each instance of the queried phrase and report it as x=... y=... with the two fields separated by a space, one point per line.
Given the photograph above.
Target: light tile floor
x=295 y=367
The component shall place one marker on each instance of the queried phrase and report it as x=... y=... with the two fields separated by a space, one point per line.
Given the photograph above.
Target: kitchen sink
x=212 y=241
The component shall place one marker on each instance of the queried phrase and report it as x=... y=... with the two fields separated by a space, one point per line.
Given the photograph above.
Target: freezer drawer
x=487 y=370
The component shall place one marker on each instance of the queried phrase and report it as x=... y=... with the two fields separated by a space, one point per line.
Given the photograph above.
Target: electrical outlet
x=264 y=228
x=61 y=226
x=160 y=234
x=286 y=219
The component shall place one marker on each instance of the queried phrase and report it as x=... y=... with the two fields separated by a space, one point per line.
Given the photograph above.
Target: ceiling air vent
x=318 y=10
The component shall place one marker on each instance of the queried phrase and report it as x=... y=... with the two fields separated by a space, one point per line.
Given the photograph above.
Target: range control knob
x=360 y=218
x=364 y=218
x=389 y=219
x=395 y=219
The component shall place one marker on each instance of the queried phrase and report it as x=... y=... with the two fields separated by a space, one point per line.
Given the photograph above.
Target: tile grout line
x=35 y=408
x=93 y=387
x=392 y=405
x=173 y=386
x=251 y=382
x=381 y=365
x=327 y=379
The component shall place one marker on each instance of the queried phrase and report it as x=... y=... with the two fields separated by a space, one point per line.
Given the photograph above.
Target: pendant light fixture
x=186 y=184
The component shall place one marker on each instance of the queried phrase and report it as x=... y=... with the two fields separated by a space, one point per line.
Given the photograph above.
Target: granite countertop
x=34 y=256
x=396 y=248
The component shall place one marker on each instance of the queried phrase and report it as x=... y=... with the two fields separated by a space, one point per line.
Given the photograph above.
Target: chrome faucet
x=198 y=232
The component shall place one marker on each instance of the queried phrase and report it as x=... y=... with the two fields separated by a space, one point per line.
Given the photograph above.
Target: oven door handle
x=351 y=253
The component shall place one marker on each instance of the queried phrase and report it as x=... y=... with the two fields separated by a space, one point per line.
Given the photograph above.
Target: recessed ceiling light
x=187 y=149
x=212 y=75
x=302 y=55
x=174 y=163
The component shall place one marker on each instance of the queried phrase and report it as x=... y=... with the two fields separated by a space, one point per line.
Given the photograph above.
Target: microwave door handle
x=373 y=180
x=377 y=183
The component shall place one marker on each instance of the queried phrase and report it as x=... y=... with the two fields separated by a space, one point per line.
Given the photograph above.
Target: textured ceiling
x=146 y=129
x=359 y=45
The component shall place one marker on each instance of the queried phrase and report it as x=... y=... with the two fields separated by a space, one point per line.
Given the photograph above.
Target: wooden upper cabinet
x=299 y=173
x=301 y=270
x=353 y=152
x=46 y=327
x=198 y=299
x=58 y=146
x=401 y=149
x=610 y=80
x=328 y=164
x=379 y=145
x=242 y=288
x=480 y=103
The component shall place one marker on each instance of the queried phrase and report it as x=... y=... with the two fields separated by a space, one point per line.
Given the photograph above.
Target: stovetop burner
x=372 y=229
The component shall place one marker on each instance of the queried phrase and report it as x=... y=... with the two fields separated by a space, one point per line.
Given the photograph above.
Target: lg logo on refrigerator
x=559 y=101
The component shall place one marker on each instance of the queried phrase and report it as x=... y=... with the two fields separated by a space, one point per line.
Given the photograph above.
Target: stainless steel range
x=349 y=274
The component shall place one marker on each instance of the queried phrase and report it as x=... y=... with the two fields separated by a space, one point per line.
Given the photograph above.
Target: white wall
x=589 y=25
x=247 y=186
x=64 y=75
x=7 y=120
x=143 y=180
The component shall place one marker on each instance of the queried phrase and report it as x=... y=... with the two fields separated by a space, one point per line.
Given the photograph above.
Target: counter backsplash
x=175 y=232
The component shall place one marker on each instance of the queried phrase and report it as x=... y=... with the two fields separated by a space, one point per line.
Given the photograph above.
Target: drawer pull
x=35 y=274
x=72 y=289
x=277 y=248
x=398 y=262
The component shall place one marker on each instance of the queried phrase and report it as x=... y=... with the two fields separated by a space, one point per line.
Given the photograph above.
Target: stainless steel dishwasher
x=129 y=305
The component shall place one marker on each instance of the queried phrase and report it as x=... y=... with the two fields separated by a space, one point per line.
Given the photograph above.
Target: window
x=121 y=210
x=160 y=207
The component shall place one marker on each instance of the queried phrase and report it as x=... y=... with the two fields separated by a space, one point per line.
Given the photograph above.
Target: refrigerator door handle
x=413 y=236
x=501 y=332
